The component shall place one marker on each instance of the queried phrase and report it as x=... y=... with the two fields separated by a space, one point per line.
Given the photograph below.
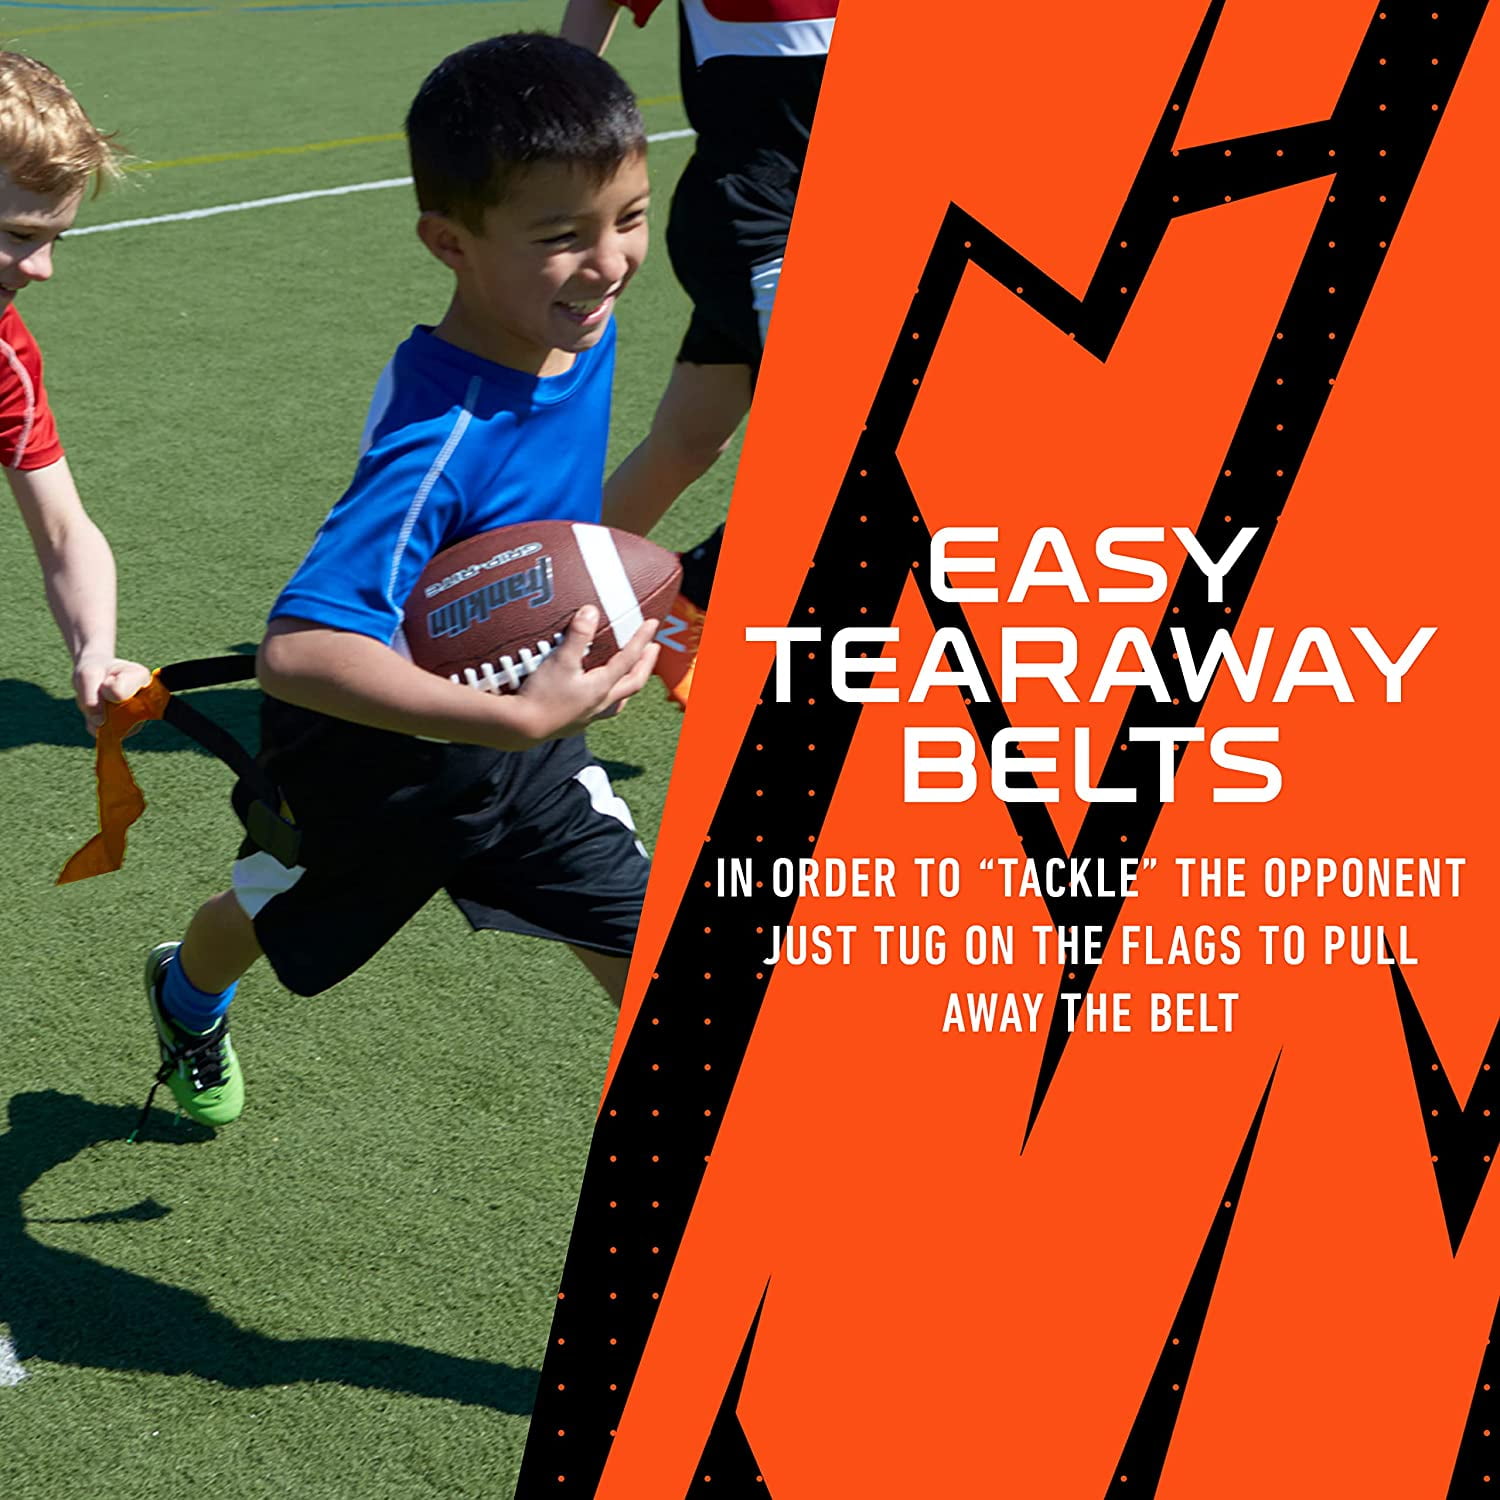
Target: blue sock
x=193 y=1009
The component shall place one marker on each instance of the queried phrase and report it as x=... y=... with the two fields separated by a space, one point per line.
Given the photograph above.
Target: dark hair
x=502 y=105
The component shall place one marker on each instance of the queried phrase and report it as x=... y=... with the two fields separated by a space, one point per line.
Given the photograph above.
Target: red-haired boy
x=50 y=151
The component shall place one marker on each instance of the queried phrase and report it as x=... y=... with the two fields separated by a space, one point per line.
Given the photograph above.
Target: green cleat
x=201 y=1071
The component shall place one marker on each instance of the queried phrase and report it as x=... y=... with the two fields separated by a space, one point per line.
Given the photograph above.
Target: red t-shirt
x=28 y=435
x=747 y=11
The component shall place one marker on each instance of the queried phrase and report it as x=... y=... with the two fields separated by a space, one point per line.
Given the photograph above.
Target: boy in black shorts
x=751 y=71
x=528 y=156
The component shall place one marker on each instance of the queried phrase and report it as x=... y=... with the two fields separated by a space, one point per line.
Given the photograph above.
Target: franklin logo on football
x=533 y=585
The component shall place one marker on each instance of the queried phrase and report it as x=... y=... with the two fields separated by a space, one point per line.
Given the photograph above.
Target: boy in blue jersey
x=528 y=156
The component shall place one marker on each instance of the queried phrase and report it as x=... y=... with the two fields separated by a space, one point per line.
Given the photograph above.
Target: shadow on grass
x=30 y=716
x=619 y=770
x=70 y=1310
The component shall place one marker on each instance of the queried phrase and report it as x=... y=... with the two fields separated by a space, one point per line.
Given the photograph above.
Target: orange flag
x=120 y=799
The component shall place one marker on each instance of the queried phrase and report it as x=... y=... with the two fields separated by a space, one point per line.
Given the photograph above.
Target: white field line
x=239 y=208
x=12 y=1371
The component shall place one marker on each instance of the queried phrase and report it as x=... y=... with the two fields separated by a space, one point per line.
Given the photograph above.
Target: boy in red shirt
x=49 y=152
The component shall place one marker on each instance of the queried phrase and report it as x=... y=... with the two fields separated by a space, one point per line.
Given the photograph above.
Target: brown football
x=489 y=610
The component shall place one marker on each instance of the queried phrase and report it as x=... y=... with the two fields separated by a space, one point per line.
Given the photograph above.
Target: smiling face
x=539 y=282
x=30 y=225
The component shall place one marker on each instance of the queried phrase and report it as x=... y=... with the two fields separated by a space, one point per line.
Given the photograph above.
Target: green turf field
x=347 y=1293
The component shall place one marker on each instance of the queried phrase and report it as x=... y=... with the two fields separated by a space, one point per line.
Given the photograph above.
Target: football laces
x=506 y=675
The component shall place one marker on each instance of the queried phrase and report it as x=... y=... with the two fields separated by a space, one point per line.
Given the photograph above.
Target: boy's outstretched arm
x=355 y=677
x=79 y=572
x=589 y=23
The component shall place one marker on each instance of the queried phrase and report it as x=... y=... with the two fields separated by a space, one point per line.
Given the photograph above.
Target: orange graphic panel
x=1059 y=1059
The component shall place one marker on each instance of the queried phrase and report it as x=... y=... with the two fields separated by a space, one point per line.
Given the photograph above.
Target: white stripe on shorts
x=12 y=1371
x=594 y=779
x=259 y=878
x=764 y=279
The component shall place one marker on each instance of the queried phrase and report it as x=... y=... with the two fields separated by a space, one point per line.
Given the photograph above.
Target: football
x=488 y=611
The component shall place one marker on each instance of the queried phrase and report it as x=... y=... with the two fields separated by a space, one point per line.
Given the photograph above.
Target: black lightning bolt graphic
x=1477 y=1468
x=728 y=1465
x=678 y=1068
x=1463 y=1140
x=1145 y=1450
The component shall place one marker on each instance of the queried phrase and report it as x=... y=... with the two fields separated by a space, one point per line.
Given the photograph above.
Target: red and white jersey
x=751 y=71
x=28 y=435
x=752 y=28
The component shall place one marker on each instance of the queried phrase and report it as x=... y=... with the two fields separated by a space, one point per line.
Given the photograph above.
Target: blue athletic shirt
x=454 y=445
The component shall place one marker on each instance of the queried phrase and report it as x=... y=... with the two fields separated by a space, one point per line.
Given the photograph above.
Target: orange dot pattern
x=655 y=1140
x=1477 y=1468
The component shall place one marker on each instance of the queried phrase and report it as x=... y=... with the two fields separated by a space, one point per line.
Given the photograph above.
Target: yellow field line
x=110 y=226
x=218 y=156
x=176 y=15
x=214 y=157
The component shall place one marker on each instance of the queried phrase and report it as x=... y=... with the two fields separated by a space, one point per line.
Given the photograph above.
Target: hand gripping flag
x=120 y=799
x=121 y=802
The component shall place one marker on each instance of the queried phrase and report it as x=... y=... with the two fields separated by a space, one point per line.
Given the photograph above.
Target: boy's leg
x=196 y=978
x=189 y=997
x=608 y=968
x=189 y=986
x=698 y=416
x=703 y=407
x=219 y=945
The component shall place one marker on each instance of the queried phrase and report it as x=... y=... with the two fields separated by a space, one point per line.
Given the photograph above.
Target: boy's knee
x=225 y=911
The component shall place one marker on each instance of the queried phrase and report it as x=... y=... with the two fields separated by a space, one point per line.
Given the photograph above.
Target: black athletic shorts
x=531 y=841
x=726 y=236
